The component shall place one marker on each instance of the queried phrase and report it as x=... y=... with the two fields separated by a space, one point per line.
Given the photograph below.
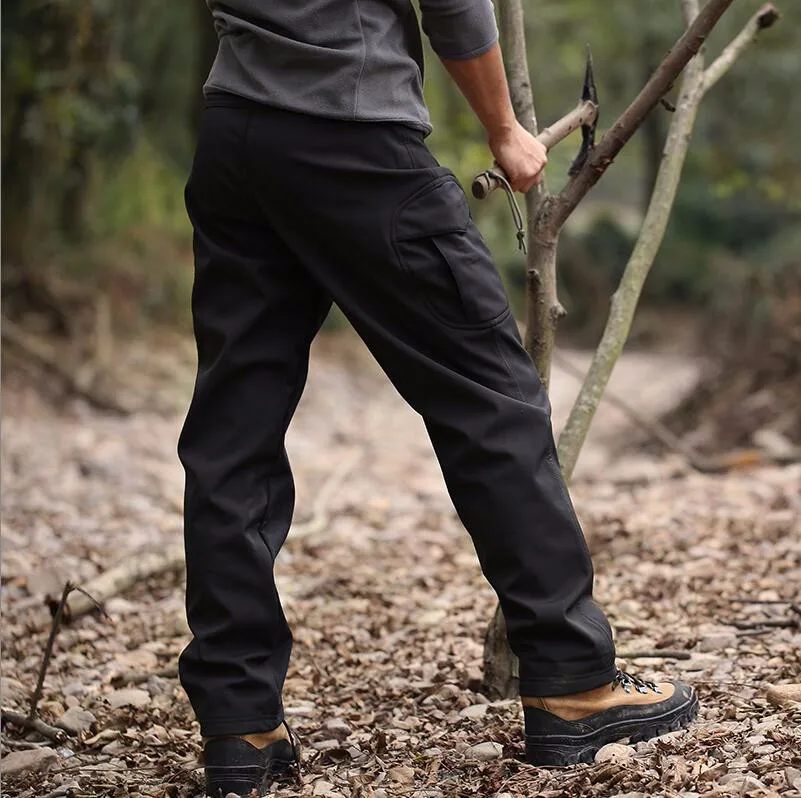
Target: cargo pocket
x=445 y=257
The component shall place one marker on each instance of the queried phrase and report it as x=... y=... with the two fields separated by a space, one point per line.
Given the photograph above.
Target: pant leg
x=255 y=312
x=387 y=231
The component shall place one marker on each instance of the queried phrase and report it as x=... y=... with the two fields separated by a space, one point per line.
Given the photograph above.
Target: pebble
x=785 y=695
x=474 y=711
x=74 y=688
x=76 y=720
x=326 y=745
x=322 y=787
x=793 y=778
x=128 y=697
x=32 y=760
x=716 y=641
x=485 y=751
x=12 y=691
x=614 y=752
x=741 y=784
x=114 y=747
x=338 y=727
x=158 y=685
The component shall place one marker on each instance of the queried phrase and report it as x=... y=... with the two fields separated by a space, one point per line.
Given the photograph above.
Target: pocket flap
x=438 y=209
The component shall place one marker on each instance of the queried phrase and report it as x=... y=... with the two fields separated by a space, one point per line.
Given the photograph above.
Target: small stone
x=76 y=720
x=74 y=688
x=716 y=641
x=474 y=678
x=158 y=685
x=474 y=711
x=34 y=760
x=786 y=696
x=322 y=787
x=338 y=727
x=741 y=784
x=614 y=752
x=114 y=747
x=11 y=691
x=485 y=751
x=403 y=774
x=128 y=697
x=301 y=709
x=793 y=778
x=380 y=793
x=326 y=745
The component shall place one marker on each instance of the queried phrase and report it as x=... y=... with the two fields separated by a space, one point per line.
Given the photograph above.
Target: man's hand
x=521 y=157
x=483 y=83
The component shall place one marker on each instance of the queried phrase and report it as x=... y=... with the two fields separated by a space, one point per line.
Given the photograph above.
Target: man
x=312 y=183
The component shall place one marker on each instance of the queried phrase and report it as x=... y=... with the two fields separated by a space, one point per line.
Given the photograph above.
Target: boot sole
x=562 y=750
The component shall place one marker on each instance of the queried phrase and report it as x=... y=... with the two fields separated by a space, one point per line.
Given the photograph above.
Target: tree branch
x=628 y=122
x=624 y=301
x=764 y=18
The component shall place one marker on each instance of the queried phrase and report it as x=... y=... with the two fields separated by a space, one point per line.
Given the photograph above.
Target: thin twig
x=97 y=605
x=788 y=623
x=655 y=654
x=764 y=18
x=34 y=724
x=760 y=601
x=48 y=652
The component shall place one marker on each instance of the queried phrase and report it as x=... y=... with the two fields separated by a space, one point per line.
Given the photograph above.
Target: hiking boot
x=236 y=768
x=568 y=729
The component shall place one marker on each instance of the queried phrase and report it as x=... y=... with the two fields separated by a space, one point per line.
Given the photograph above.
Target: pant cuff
x=544 y=686
x=224 y=727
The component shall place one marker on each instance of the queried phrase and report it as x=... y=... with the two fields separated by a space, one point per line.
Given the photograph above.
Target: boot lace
x=627 y=681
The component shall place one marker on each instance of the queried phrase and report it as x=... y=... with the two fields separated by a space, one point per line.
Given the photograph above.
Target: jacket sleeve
x=459 y=29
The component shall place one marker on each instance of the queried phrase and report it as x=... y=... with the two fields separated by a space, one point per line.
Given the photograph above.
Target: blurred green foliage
x=100 y=102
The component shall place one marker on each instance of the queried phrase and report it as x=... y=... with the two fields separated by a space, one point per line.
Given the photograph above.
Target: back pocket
x=444 y=255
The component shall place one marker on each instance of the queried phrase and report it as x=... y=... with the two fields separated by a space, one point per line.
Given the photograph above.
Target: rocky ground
x=386 y=600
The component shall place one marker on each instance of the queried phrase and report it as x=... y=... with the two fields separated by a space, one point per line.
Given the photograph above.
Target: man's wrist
x=501 y=130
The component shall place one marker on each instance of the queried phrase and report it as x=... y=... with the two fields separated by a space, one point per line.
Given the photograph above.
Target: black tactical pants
x=291 y=212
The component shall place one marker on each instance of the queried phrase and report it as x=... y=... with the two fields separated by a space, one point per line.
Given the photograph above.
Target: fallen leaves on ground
x=388 y=609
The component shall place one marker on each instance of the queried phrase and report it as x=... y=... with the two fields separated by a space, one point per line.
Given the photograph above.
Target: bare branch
x=48 y=652
x=628 y=122
x=133 y=569
x=624 y=301
x=34 y=724
x=764 y=18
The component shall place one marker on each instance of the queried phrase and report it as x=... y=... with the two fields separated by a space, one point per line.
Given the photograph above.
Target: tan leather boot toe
x=567 y=729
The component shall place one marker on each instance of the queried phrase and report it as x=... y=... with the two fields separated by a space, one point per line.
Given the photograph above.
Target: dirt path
x=387 y=602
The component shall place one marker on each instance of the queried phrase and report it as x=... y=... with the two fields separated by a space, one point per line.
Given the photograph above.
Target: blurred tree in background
x=101 y=99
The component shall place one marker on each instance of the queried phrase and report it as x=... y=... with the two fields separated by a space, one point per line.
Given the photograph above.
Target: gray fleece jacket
x=345 y=59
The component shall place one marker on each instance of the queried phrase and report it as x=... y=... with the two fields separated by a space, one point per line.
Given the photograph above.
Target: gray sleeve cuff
x=459 y=29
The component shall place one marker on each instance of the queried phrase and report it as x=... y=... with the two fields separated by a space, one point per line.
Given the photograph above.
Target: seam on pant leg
x=294 y=396
x=497 y=339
